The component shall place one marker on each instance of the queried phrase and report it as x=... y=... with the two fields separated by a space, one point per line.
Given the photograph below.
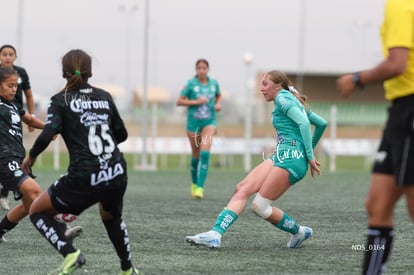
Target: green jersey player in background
x=202 y=96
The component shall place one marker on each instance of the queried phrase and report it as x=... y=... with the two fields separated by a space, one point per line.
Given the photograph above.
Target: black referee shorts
x=395 y=155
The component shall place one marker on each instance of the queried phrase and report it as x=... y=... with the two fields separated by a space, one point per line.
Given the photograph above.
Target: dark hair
x=76 y=68
x=8 y=46
x=6 y=72
x=202 y=60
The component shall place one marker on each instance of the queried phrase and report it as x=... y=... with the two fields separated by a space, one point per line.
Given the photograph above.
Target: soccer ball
x=65 y=218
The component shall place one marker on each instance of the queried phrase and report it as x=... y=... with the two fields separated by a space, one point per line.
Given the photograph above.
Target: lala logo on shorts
x=107 y=175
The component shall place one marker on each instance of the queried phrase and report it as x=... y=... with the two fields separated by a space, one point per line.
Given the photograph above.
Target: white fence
x=348 y=147
x=226 y=147
x=180 y=145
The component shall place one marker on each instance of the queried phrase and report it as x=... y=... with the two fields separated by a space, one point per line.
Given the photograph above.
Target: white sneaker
x=73 y=232
x=211 y=239
x=4 y=203
x=303 y=234
x=3 y=239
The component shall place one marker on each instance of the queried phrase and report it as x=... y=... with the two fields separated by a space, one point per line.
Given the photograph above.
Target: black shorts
x=74 y=193
x=395 y=155
x=11 y=173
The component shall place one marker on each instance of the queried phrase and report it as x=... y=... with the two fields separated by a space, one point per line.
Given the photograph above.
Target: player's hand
x=201 y=100
x=314 y=167
x=27 y=164
x=345 y=85
x=217 y=107
x=31 y=129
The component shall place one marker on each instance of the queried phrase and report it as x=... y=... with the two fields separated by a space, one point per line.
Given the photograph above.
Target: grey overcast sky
x=338 y=35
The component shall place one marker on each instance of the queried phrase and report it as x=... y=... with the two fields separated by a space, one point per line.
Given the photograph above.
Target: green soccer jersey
x=286 y=127
x=193 y=90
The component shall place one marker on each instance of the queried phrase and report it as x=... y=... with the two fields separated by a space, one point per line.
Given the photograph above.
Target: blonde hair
x=278 y=77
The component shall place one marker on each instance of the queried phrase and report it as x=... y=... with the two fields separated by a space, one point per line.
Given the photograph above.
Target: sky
x=312 y=36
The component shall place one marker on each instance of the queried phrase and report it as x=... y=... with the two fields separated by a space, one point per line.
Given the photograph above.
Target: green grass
x=160 y=212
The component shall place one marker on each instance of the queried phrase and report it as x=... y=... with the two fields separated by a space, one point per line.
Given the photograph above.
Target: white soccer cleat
x=211 y=239
x=73 y=232
x=297 y=239
x=4 y=203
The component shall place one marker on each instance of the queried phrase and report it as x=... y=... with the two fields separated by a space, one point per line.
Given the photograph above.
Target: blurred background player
x=392 y=174
x=90 y=124
x=202 y=96
x=8 y=56
x=273 y=177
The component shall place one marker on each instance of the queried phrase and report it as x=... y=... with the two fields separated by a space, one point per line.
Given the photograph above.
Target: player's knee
x=238 y=191
x=368 y=207
x=372 y=206
x=109 y=215
x=261 y=206
x=243 y=189
x=379 y=212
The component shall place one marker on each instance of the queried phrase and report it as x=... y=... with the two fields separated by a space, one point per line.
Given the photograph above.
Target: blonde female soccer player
x=273 y=177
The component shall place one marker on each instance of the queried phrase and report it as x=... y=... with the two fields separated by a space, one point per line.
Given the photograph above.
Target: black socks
x=118 y=234
x=53 y=231
x=6 y=225
x=377 y=249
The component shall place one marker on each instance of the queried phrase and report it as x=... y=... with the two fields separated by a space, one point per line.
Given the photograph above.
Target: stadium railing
x=346 y=114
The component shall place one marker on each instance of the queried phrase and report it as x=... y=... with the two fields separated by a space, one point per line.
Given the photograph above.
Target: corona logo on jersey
x=78 y=105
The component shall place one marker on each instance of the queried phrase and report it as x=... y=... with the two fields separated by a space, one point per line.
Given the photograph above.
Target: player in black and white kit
x=8 y=56
x=89 y=122
x=12 y=151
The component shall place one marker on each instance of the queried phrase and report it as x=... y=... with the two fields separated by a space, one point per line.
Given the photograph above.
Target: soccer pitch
x=159 y=213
